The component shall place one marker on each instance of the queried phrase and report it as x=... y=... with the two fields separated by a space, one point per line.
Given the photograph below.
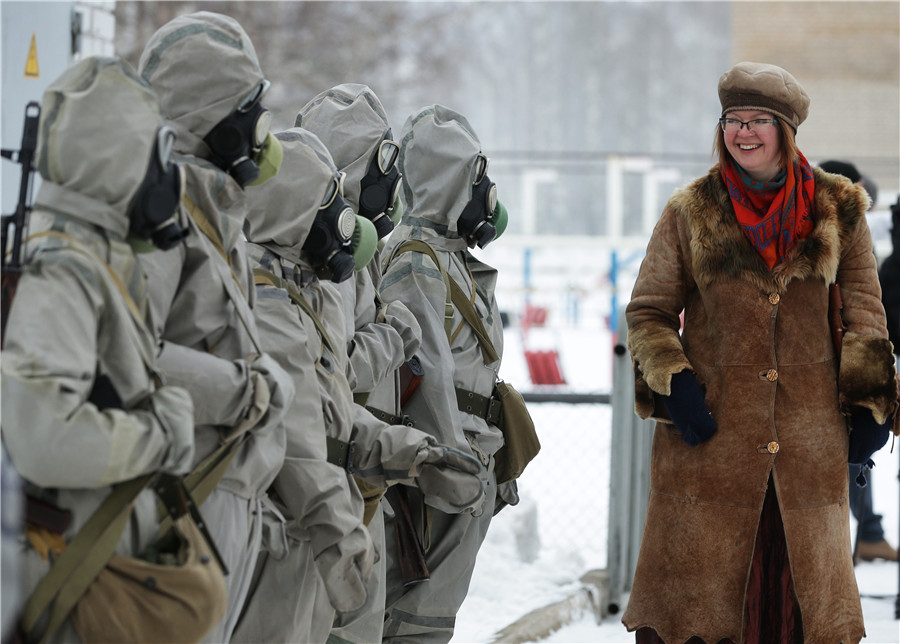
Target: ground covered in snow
x=535 y=553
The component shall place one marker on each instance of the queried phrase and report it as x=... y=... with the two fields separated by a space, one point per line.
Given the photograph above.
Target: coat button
x=774 y=298
x=772 y=447
x=771 y=375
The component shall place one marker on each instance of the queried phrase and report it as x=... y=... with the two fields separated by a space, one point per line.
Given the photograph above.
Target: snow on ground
x=535 y=553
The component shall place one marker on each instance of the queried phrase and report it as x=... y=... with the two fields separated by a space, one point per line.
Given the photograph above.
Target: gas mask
x=152 y=211
x=238 y=143
x=329 y=242
x=476 y=223
x=381 y=185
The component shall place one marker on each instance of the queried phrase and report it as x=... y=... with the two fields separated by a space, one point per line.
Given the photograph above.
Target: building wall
x=847 y=57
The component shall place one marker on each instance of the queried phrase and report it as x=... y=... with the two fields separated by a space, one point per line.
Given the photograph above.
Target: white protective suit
x=437 y=159
x=82 y=405
x=202 y=66
x=351 y=122
x=280 y=219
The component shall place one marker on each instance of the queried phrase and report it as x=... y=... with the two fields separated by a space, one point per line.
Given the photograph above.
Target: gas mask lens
x=481 y=168
x=165 y=141
x=254 y=96
x=388 y=151
x=261 y=130
x=335 y=188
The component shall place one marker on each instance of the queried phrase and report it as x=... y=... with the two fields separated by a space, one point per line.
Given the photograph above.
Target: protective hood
x=281 y=212
x=351 y=122
x=438 y=151
x=98 y=130
x=201 y=65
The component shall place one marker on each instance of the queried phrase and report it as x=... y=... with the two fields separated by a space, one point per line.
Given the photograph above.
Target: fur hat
x=760 y=86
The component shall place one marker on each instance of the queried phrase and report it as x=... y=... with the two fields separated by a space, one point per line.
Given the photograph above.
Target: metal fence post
x=629 y=475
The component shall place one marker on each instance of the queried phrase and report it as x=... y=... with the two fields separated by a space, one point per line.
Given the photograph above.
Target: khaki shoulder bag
x=520 y=440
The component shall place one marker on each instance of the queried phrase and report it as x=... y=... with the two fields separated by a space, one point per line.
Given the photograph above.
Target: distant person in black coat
x=870 y=541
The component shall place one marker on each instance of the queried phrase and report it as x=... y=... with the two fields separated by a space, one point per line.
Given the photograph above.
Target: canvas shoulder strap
x=455 y=297
x=262 y=276
x=82 y=560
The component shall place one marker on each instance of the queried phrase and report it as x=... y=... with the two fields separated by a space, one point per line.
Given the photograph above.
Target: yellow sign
x=31 y=65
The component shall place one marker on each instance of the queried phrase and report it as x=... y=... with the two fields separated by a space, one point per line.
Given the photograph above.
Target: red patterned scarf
x=775 y=215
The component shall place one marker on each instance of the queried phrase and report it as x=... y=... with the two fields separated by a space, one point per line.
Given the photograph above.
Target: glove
x=866 y=436
x=405 y=324
x=174 y=409
x=687 y=409
x=448 y=478
x=280 y=388
x=345 y=568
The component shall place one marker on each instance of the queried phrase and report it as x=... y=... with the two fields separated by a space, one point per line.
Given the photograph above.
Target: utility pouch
x=174 y=593
x=520 y=440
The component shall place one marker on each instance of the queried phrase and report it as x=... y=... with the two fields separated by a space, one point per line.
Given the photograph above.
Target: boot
x=872 y=550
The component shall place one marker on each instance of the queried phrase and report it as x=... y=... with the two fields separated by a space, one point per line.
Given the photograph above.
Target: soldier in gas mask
x=451 y=206
x=205 y=71
x=301 y=231
x=352 y=123
x=83 y=404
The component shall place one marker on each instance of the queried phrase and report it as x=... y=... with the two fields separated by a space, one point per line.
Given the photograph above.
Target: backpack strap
x=455 y=297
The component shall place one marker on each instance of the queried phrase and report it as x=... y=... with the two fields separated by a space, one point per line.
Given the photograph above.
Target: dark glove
x=687 y=409
x=866 y=436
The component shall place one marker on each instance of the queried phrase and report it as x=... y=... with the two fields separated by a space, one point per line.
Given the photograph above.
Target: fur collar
x=720 y=250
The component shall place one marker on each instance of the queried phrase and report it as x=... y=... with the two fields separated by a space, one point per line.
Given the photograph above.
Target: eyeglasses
x=388 y=151
x=481 y=167
x=731 y=125
x=335 y=188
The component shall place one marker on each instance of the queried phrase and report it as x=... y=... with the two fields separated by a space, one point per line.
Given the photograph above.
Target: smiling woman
x=747 y=535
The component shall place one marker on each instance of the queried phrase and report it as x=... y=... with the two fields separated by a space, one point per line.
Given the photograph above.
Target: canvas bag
x=520 y=440
x=134 y=600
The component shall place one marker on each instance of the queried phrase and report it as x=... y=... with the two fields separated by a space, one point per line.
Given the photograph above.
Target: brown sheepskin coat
x=758 y=341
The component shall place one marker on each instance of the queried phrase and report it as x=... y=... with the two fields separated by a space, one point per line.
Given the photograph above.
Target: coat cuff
x=657 y=355
x=867 y=375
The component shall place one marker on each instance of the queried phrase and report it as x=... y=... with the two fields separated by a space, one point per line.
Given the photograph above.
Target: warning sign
x=31 y=65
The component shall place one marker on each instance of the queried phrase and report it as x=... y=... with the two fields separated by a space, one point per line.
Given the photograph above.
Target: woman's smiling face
x=757 y=151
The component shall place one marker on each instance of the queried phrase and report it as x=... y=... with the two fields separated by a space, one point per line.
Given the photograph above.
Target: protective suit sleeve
x=321 y=498
x=413 y=279
x=49 y=365
x=379 y=343
x=388 y=454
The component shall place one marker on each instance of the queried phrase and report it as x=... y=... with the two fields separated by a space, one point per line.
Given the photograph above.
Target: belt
x=390 y=419
x=486 y=407
x=339 y=452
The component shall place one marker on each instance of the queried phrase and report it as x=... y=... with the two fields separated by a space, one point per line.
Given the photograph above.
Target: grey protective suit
x=202 y=66
x=70 y=327
x=280 y=219
x=437 y=158
x=351 y=122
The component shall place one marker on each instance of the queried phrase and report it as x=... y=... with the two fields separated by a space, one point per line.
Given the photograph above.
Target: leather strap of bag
x=82 y=560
